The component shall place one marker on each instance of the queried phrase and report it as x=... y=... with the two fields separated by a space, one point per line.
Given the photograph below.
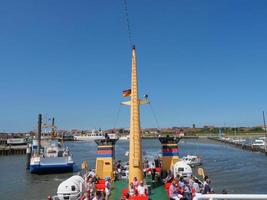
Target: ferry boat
x=49 y=155
x=94 y=135
x=75 y=188
x=134 y=169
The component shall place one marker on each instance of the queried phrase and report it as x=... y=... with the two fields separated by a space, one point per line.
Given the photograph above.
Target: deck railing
x=231 y=196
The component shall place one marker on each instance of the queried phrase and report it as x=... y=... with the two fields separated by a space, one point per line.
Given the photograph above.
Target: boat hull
x=89 y=138
x=51 y=168
x=51 y=165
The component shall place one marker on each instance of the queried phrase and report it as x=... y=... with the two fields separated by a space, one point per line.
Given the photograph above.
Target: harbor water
x=228 y=167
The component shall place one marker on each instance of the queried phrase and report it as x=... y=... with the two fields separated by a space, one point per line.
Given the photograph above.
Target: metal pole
x=39 y=133
x=53 y=128
x=264 y=131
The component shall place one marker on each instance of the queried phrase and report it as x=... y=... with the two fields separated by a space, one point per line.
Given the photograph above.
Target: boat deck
x=157 y=190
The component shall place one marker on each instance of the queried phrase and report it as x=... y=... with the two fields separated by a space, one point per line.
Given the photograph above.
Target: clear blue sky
x=201 y=62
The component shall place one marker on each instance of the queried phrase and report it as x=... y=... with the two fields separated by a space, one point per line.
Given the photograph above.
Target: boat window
x=72 y=188
x=180 y=169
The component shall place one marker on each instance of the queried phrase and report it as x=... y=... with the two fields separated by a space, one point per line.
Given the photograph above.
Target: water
x=228 y=168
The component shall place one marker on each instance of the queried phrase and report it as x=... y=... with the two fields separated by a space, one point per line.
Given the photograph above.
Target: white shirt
x=141 y=190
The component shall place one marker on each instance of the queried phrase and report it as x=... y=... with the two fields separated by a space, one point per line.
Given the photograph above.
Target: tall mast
x=135 y=153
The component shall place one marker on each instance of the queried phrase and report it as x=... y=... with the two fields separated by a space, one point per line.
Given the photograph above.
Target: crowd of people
x=136 y=188
x=91 y=191
x=186 y=188
x=179 y=187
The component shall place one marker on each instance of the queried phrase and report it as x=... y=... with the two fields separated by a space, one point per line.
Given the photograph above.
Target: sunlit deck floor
x=157 y=192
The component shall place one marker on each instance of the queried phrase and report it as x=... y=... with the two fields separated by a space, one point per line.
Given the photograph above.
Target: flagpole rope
x=128 y=22
x=154 y=115
x=117 y=117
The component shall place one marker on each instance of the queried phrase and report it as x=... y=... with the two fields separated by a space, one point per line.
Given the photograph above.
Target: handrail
x=231 y=196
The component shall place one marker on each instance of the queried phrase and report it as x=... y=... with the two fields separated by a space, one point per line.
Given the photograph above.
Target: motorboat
x=192 y=160
x=259 y=143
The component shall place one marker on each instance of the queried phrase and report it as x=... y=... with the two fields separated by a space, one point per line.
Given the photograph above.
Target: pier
x=9 y=149
x=12 y=150
x=243 y=146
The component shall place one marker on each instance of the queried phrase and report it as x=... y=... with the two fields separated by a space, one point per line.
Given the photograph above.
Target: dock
x=9 y=149
x=243 y=146
x=12 y=150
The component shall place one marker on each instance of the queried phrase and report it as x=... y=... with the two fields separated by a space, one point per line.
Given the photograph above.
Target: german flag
x=126 y=93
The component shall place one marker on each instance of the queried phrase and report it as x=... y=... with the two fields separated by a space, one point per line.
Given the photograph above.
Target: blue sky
x=201 y=62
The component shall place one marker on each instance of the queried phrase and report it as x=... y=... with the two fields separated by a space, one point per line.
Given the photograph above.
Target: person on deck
x=153 y=172
x=131 y=189
x=196 y=185
x=187 y=191
x=107 y=188
x=91 y=173
x=206 y=189
x=145 y=167
x=135 y=183
x=90 y=186
x=141 y=189
x=85 y=196
x=173 y=194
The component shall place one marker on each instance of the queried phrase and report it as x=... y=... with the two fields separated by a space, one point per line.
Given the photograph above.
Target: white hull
x=125 y=137
x=88 y=138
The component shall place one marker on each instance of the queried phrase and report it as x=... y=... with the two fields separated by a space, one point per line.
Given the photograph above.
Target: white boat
x=125 y=137
x=16 y=141
x=48 y=155
x=258 y=143
x=239 y=140
x=192 y=160
x=112 y=136
x=90 y=136
x=53 y=157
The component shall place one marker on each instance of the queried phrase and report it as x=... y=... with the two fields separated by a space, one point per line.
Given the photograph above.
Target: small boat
x=192 y=160
x=258 y=143
x=239 y=140
x=112 y=136
x=68 y=137
x=125 y=137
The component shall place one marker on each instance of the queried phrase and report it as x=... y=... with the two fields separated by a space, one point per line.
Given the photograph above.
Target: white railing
x=231 y=196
